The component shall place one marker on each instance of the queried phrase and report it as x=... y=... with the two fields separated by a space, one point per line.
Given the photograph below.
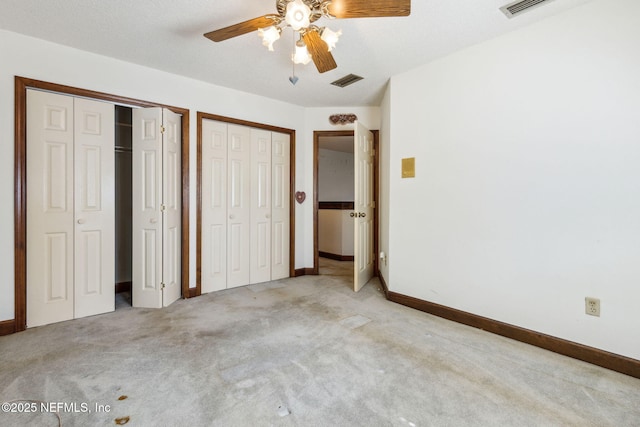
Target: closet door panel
x=94 y=164
x=171 y=199
x=50 y=209
x=214 y=206
x=238 y=205
x=146 y=214
x=281 y=196
x=260 y=206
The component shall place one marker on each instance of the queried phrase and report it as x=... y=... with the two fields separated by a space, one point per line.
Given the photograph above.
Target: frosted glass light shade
x=298 y=15
x=330 y=37
x=302 y=55
x=269 y=36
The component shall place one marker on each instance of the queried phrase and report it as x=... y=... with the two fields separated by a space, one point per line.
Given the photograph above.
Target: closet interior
x=123 y=204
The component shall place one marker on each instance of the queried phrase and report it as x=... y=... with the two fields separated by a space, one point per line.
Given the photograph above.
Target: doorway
x=333 y=168
x=335 y=203
x=21 y=86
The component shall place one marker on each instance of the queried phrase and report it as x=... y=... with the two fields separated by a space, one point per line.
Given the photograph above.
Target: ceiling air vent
x=347 y=80
x=522 y=6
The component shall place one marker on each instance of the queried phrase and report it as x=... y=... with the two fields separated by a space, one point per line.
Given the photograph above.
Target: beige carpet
x=300 y=352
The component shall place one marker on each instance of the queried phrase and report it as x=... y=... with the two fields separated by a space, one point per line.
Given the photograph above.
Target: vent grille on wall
x=522 y=6
x=347 y=80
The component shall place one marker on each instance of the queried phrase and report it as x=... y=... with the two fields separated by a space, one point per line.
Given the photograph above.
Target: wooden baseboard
x=384 y=286
x=126 y=287
x=305 y=272
x=615 y=362
x=336 y=256
x=7 y=327
x=123 y=287
x=344 y=206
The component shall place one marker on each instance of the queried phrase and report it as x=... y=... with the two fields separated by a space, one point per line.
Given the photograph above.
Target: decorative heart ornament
x=300 y=196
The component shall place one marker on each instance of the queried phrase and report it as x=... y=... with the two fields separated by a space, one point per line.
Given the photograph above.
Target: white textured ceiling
x=167 y=35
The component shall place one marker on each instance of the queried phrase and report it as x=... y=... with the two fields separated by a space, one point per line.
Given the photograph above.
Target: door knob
x=267 y=216
x=153 y=220
x=81 y=221
x=362 y=215
x=352 y=214
x=232 y=216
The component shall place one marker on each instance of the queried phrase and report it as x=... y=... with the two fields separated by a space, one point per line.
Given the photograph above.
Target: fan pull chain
x=293 y=79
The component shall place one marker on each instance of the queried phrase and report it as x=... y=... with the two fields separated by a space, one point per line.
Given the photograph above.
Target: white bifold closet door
x=245 y=206
x=238 y=205
x=156 y=207
x=260 y=262
x=70 y=208
x=280 y=199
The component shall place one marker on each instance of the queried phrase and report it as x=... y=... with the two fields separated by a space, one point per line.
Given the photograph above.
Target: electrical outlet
x=592 y=306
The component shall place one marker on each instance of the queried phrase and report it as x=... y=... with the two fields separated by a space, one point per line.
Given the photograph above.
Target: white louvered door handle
x=81 y=221
x=232 y=216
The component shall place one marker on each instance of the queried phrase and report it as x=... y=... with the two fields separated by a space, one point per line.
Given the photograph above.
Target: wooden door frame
x=20 y=180
x=316 y=146
x=292 y=178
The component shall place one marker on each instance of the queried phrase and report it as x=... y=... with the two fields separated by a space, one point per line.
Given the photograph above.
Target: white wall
x=335 y=176
x=527 y=190
x=335 y=232
x=37 y=59
x=384 y=196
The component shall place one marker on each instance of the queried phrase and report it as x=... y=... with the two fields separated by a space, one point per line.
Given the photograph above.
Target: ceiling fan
x=315 y=43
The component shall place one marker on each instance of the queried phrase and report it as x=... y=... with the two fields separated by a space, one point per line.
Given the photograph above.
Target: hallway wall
x=335 y=176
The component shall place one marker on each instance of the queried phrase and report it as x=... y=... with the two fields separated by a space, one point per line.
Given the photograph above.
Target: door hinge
x=162 y=129
x=163 y=208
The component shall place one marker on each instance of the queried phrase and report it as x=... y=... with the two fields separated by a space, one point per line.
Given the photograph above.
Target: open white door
x=363 y=206
x=156 y=237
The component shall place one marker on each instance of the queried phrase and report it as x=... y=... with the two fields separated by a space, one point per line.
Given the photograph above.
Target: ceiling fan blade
x=240 y=29
x=319 y=52
x=369 y=8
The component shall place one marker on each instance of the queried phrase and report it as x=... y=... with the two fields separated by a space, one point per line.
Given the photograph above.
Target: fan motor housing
x=314 y=5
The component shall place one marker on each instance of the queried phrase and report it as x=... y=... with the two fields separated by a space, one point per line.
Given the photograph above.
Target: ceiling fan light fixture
x=301 y=55
x=298 y=15
x=330 y=37
x=269 y=36
x=316 y=42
